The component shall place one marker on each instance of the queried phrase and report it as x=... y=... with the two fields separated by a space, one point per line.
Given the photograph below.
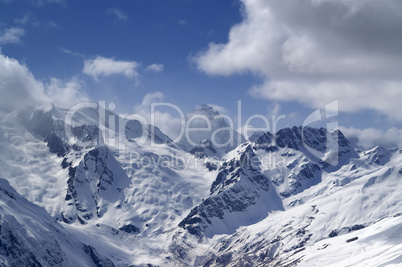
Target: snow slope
x=31 y=237
x=140 y=192
x=357 y=196
x=124 y=190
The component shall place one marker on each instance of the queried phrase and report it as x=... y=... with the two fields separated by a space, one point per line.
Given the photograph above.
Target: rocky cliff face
x=30 y=237
x=240 y=195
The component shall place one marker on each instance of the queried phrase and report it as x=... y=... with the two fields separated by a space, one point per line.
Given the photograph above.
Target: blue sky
x=169 y=34
x=285 y=59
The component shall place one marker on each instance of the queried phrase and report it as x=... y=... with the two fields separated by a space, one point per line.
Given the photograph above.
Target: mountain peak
x=379 y=155
x=211 y=126
x=206 y=110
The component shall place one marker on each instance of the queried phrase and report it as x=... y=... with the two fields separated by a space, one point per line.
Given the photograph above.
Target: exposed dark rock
x=55 y=144
x=238 y=186
x=96 y=258
x=129 y=228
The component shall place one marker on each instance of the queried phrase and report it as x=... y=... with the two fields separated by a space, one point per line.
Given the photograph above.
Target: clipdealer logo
x=328 y=115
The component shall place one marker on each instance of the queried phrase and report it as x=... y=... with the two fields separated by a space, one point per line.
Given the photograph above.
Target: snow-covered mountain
x=240 y=195
x=209 y=134
x=322 y=207
x=31 y=237
x=96 y=189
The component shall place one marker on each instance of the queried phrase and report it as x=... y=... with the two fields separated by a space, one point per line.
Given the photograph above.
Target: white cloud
x=19 y=89
x=52 y=24
x=169 y=118
x=101 y=66
x=383 y=95
x=220 y=109
x=119 y=14
x=145 y=107
x=28 y=18
x=274 y=109
x=155 y=67
x=67 y=51
x=18 y=86
x=370 y=137
x=166 y=118
x=316 y=51
x=182 y=22
x=65 y=94
x=11 y=35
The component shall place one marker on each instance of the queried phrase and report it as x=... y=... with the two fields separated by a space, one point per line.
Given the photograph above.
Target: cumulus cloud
x=119 y=14
x=220 y=109
x=101 y=66
x=66 y=94
x=316 y=51
x=167 y=117
x=145 y=107
x=382 y=96
x=155 y=67
x=370 y=137
x=19 y=88
x=11 y=35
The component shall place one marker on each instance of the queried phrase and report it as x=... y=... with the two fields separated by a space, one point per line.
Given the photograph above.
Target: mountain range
x=95 y=189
